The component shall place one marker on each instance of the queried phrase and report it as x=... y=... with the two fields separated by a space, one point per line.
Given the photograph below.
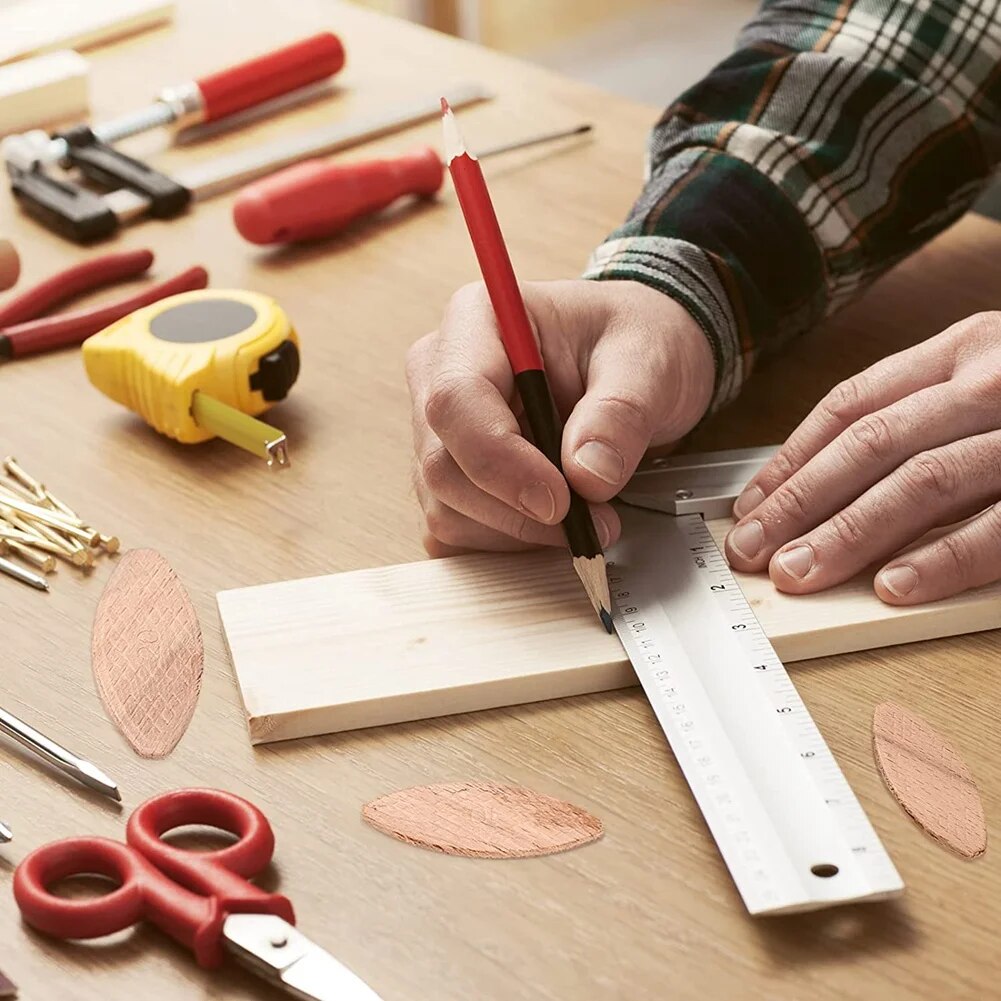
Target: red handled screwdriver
x=223 y=93
x=319 y=197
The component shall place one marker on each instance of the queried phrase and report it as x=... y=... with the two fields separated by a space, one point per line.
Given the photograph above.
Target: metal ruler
x=784 y=817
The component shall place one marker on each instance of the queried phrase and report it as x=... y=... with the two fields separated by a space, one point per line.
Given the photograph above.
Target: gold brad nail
x=61 y=543
x=12 y=533
x=37 y=543
x=54 y=519
x=111 y=543
x=9 y=489
x=85 y=535
x=43 y=561
x=79 y=557
x=25 y=479
x=33 y=528
x=24 y=525
x=55 y=502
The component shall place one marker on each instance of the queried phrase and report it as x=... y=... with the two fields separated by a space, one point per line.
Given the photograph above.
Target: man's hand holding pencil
x=629 y=368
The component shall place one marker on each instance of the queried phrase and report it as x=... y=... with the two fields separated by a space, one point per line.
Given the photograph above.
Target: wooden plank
x=43 y=90
x=35 y=26
x=419 y=640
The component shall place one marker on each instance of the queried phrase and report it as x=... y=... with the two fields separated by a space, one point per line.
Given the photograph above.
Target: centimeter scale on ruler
x=785 y=819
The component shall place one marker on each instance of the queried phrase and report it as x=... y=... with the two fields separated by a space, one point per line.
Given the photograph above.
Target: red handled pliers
x=24 y=330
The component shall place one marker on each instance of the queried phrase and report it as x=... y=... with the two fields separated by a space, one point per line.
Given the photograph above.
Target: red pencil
x=523 y=353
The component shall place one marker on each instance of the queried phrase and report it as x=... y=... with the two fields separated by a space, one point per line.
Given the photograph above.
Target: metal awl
x=82 y=770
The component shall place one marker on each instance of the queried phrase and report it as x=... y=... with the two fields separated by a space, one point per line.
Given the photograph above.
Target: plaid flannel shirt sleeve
x=838 y=138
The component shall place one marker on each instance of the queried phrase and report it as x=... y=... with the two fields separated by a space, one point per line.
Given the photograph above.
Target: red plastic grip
x=301 y=63
x=142 y=893
x=89 y=274
x=66 y=329
x=221 y=875
x=320 y=197
x=186 y=894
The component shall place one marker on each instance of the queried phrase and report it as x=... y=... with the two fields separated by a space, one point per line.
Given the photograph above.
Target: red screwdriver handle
x=318 y=197
x=257 y=80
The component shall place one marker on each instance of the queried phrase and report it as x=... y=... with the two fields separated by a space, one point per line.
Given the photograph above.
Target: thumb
x=613 y=423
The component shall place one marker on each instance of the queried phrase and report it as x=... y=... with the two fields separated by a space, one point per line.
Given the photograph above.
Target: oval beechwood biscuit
x=929 y=780
x=146 y=653
x=482 y=820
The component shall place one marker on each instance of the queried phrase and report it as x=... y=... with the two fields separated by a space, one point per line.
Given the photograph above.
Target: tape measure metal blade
x=785 y=819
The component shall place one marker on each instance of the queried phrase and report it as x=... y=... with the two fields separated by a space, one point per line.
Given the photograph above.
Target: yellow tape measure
x=201 y=365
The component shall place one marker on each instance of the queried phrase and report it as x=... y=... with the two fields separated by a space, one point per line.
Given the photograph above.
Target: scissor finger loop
x=92 y=917
x=247 y=857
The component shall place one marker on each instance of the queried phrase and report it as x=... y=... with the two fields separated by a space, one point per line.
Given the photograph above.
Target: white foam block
x=39 y=91
x=32 y=27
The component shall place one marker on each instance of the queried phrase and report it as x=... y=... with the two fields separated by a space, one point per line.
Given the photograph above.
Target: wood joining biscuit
x=929 y=779
x=147 y=653
x=482 y=820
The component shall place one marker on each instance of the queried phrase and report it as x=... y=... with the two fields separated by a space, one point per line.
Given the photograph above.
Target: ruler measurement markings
x=704 y=758
x=732 y=804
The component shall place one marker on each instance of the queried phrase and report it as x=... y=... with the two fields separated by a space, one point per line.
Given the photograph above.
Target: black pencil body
x=547 y=433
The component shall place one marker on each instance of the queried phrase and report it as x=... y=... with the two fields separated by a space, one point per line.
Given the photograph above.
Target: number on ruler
x=717 y=587
x=738 y=626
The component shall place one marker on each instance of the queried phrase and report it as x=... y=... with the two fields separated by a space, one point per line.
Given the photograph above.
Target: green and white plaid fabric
x=836 y=140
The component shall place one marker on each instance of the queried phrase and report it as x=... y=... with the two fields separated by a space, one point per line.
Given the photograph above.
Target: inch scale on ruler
x=785 y=819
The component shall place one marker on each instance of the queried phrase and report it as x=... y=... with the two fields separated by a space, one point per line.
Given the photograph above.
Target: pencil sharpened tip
x=606 y=620
x=445 y=109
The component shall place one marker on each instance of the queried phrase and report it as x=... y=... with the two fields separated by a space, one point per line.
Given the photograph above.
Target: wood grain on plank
x=929 y=779
x=467 y=633
x=482 y=820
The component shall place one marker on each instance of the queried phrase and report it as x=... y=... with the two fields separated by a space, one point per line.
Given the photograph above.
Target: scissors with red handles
x=204 y=900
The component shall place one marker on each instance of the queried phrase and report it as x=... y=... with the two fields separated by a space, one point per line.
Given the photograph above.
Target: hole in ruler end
x=824 y=870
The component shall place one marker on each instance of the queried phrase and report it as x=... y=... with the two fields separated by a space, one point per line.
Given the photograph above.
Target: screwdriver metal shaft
x=6 y=834
x=82 y=770
x=24 y=576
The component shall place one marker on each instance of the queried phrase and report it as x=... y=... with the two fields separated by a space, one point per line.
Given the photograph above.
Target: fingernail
x=537 y=500
x=604 y=532
x=797 y=562
x=900 y=580
x=748 y=501
x=746 y=540
x=600 y=458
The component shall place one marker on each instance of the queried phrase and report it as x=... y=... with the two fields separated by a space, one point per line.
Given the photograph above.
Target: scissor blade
x=320 y=977
x=276 y=950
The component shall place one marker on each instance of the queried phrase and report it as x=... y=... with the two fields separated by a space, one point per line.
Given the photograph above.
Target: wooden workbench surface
x=649 y=912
